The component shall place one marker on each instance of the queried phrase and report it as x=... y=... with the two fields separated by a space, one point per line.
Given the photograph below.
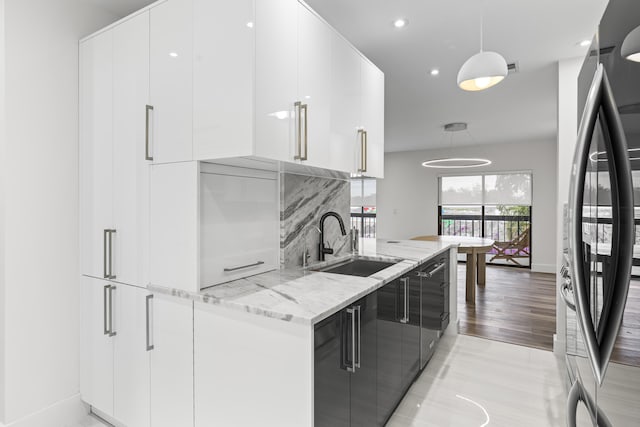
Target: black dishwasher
x=434 y=312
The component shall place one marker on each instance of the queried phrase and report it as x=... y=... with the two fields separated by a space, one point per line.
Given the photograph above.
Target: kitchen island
x=255 y=339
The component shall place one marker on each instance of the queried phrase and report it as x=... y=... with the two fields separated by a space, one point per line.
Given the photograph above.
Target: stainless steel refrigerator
x=601 y=289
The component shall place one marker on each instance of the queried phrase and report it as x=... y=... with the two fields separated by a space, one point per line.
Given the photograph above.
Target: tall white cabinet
x=115 y=175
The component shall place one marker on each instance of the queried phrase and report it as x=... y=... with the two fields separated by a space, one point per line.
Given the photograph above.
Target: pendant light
x=631 y=46
x=482 y=70
x=456 y=162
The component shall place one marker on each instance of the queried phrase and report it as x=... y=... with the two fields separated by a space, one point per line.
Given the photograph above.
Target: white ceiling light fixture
x=631 y=46
x=483 y=70
x=434 y=72
x=584 y=43
x=456 y=162
x=400 y=23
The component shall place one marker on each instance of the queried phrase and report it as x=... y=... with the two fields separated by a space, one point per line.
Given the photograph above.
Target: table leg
x=482 y=268
x=471 y=278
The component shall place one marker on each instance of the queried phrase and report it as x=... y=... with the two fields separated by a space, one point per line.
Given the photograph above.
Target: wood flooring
x=518 y=306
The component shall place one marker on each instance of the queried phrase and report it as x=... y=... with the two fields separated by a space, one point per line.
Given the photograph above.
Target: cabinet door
x=96 y=165
x=364 y=380
x=131 y=177
x=373 y=118
x=239 y=224
x=171 y=84
x=172 y=362
x=96 y=345
x=131 y=358
x=345 y=105
x=314 y=88
x=389 y=333
x=411 y=331
x=276 y=84
x=223 y=73
x=331 y=379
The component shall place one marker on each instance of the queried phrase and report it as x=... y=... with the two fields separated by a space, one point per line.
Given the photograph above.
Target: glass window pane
x=507 y=189
x=461 y=190
x=356 y=192
x=369 y=192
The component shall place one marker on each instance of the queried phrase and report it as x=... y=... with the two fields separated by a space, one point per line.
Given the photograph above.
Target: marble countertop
x=306 y=297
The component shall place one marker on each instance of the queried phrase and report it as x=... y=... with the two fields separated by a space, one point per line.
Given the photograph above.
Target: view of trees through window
x=496 y=206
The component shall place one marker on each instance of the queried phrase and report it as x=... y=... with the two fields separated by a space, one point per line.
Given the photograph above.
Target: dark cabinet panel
x=364 y=379
x=331 y=380
x=434 y=305
x=389 y=385
x=411 y=330
x=345 y=373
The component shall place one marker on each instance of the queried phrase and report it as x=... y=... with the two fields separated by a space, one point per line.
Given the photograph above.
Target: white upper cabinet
x=171 y=73
x=252 y=79
x=114 y=82
x=96 y=150
x=276 y=79
x=372 y=119
x=345 y=102
x=223 y=73
x=314 y=91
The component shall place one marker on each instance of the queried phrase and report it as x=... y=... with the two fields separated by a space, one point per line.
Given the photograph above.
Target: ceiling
x=443 y=34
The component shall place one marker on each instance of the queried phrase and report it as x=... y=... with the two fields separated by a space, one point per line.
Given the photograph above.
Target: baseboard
x=65 y=413
x=543 y=268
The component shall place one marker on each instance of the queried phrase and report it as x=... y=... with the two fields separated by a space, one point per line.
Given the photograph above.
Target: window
x=496 y=206
x=363 y=206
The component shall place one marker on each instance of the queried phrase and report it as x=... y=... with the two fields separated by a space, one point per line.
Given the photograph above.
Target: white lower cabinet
x=171 y=362
x=114 y=360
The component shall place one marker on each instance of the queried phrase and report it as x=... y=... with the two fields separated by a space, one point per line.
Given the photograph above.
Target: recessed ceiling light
x=250 y=24
x=434 y=72
x=400 y=23
x=173 y=54
x=584 y=43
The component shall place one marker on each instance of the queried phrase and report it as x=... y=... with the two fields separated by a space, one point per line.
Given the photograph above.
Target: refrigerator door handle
x=600 y=100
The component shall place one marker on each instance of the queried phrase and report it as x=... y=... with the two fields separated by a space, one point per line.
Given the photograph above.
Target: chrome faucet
x=323 y=250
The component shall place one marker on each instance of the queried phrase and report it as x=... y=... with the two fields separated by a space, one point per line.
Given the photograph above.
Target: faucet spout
x=326 y=250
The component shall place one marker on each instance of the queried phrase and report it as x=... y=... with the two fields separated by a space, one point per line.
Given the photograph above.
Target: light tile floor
x=476 y=382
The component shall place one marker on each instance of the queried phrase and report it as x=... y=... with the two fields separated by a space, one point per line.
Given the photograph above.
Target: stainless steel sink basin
x=357 y=267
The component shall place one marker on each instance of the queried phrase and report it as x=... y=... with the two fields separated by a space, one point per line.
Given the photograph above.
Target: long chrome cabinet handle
x=111 y=331
x=148 y=110
x=111 y=233
x=105 y=308
x=405 y=317
x=297 y=107
x=361 y=135
x=352 y=368
x=105 y=274
x=357 y=364
x=148 y=299
x=364 y=152
x=432 y=272
x=228 y=269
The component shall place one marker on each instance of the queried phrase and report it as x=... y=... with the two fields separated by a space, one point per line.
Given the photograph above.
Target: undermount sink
x=357 y=267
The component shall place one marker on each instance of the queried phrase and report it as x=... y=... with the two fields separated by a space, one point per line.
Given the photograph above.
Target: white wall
x=2 y=163
x=408 y=195
x=567 y=132
x=40 y=275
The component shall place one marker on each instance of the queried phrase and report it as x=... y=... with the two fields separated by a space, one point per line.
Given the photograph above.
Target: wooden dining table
x=476 y=249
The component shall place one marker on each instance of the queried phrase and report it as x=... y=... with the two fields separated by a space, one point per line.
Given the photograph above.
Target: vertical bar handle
x=357 y=364
x=305 y=108
x=104 y=253
x=363 y=150
x=148 y=329
x=297 y=106
x=352 y=368
x=405 y=317
x=111 y=331
x=111 y=275
x=105 y=291
x=148 y=110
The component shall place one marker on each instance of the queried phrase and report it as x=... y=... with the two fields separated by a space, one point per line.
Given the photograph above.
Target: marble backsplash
x=303 y=200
